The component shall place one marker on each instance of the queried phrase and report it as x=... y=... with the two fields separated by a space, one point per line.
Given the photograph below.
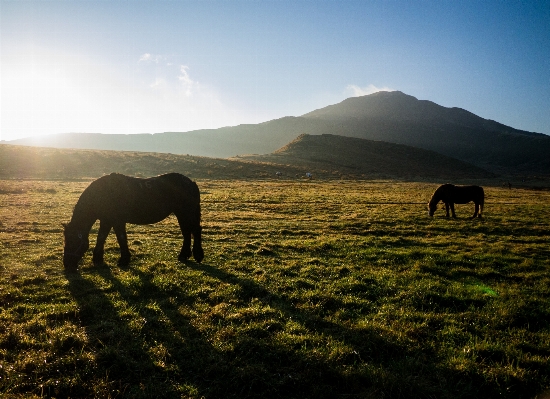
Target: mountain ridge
x=393 y=117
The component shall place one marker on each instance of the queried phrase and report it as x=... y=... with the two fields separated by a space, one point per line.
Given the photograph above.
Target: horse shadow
x=108 y=308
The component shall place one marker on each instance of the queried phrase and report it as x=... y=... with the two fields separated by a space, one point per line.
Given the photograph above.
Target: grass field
x=308 y=290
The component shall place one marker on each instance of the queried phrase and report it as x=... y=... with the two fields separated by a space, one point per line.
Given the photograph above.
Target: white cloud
x=158 y=84
x=356 y=91
x=186 y=81
x=145 y=57
x=148 y=57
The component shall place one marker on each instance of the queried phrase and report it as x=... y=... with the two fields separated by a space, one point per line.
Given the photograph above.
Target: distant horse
x=116 y=199
x=451 y=195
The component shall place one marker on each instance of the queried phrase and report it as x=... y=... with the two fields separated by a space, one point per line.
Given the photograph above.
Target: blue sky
x=155 y=66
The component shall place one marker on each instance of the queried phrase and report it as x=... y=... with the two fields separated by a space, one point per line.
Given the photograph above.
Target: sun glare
x=58 y=94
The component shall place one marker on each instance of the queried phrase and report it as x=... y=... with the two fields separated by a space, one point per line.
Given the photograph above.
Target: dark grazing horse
x=116 y=199
x=451 y=195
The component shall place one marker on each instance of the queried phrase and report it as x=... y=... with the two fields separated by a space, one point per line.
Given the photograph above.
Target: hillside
x=385 y=116
x=21 y=162
x=331 y=154
x=326 y=156
x=399 y=118
x=215 y=143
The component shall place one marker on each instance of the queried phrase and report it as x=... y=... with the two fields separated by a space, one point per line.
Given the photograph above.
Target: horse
x=117 y=199
x=451 y=195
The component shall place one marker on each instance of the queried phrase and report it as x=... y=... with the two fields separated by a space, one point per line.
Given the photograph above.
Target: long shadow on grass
x=122 y=364
x=379 y=366
x=146 y=344
x=255 y=365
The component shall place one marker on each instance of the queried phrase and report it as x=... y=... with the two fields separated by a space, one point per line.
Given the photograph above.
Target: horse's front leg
x=447 y=208
x=185 y=252
x=452 y=205
x=122 y=238
x=104 y=229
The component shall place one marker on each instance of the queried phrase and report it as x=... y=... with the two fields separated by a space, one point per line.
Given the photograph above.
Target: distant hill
x=338 y=155
x=225 y=142
x=393 y=117
x=326 y=156
x=23 y=162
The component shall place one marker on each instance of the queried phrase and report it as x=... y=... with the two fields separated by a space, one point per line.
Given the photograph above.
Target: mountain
x=393 y=117
x=399 y=118
x=349 y=156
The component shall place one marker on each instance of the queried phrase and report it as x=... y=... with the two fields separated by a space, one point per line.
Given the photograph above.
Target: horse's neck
x=82 y=218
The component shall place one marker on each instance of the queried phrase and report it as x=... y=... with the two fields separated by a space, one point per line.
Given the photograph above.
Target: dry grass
x=308 y=289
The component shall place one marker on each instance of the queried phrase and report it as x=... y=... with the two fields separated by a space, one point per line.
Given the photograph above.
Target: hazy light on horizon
x=55 y=93
x=58 y=93
x=137 y=67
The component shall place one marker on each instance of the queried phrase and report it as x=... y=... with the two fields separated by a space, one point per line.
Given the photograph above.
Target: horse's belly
x=147 y=218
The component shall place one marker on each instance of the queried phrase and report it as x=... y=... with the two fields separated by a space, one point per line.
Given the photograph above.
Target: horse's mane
x=435 y=197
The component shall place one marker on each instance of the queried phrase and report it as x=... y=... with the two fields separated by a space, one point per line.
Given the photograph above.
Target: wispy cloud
x=357 y=91
x=174 y=100
x=148 y=57
x=186 y=81
x=145 y=57
x=158 y=84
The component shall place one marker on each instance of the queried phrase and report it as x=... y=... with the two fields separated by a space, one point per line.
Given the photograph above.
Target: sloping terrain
x=216 y=143
x=399 y=118
x=326 y=156
x=330 y=154
x=387 y=116
x=21 y=162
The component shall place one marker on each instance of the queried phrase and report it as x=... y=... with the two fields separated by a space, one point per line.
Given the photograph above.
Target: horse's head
x=432 y=207
x=76 y=245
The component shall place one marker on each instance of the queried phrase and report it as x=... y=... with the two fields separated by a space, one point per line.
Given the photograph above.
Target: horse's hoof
x=123 y=262
x=198 y=254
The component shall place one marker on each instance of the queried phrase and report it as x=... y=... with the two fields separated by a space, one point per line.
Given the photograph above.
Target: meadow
x=308 y=289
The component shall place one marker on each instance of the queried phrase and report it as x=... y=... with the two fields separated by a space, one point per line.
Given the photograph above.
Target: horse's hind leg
x=185 y=252
x=122 y=238
x=480 y=209
x=187 y=231
x=476 y=210
x=104 y=229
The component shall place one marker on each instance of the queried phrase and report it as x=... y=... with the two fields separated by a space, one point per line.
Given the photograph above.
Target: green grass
x=308 y=290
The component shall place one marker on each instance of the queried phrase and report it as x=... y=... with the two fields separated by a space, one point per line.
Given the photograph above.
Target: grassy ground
x=308 y=290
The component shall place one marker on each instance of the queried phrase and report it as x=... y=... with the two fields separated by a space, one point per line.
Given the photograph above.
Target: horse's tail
x=195 y=195
x=198 y=252
x=481 y=200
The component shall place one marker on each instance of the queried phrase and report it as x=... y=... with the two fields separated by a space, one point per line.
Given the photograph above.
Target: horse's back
x=140 y=200
x=465 y=194
x=156 y=185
